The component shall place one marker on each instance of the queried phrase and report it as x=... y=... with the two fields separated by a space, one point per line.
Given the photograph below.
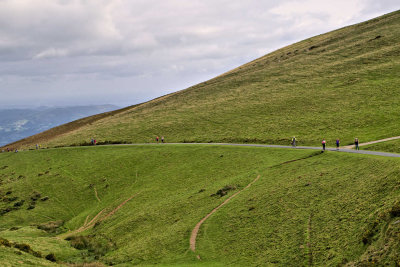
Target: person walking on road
x=323 y=144
x=356 y=144
x=294 y=141
x=162 y=139
x=157 y=139
x=337 y=144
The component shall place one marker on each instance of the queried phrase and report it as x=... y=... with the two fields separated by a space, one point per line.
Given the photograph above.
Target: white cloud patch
x=18 y=125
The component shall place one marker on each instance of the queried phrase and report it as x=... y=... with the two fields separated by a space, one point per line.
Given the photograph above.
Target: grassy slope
x=340 y=84
x=388 y=146
x=332 y=200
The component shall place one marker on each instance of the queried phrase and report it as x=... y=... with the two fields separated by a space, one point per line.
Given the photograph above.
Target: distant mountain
x=16 y=124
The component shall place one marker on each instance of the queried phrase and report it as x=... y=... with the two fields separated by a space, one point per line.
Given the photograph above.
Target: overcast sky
x=122 y=52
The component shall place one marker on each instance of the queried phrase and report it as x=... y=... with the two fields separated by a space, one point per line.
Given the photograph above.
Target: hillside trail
x=344 y=149
x=373 y=142
x=96 y=219
x=196 y=229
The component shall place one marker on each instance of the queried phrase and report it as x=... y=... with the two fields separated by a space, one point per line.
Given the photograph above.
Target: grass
x=342 y=84
x=333 y=201
x=388 y=146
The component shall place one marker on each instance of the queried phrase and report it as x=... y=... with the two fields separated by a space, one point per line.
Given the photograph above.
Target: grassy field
x=388 y=146
x=343 y=84
x=307 y=207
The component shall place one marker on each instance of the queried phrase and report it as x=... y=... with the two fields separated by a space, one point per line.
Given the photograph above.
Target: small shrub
x=37 y=254
x=19 y=203
x=23 y=247
x=5 y=242
x=51 y=227
x=51 y=257
x=79 y=242
x=395 y=210
x=9 y=199
x=35 y=196
x=223 y=191
x=6 y=210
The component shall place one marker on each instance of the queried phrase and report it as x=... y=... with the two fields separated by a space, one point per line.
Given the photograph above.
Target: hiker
x=92 y=141
x=37 y=146
x=356 y=143
x=294 y=141
x=162 y=139
x=157 y=138
x=337 y=144
x=323 y=144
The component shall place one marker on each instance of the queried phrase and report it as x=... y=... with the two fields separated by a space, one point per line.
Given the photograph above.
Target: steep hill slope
x=139 y=205
x=342 y=84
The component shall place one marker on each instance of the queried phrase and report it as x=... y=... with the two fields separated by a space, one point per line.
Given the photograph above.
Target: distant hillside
x=16 y=124
x=342 y=84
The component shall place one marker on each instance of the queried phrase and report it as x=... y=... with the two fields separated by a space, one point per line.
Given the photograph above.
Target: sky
x=124 y=52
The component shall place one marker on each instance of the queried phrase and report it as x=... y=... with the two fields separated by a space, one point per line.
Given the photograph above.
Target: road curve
x=345 y=150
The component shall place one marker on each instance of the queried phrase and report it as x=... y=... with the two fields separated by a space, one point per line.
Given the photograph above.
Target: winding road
x=345 y=150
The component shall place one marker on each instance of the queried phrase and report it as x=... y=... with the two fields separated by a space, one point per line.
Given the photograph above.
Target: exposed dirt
x=101 y=216
x=96 y=195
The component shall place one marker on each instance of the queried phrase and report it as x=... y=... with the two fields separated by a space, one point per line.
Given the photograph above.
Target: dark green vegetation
x=340 y=84
x=307 y=207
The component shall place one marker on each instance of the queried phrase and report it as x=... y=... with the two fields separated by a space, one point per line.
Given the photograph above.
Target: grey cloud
x=121 y=50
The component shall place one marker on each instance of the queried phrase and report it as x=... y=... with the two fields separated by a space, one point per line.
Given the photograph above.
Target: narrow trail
x=196 y=229
x=96 y=195
x=341 y=150
x=373 y=142
x=96 y=219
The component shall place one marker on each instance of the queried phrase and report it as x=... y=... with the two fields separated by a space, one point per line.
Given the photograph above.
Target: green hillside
x=339 y=84
x=306 y=208
x=127 y=205
x=388 y=146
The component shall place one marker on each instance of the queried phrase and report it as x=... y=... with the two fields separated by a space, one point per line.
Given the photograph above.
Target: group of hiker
x=356 y=143
x=158 y=139
x=9 y=150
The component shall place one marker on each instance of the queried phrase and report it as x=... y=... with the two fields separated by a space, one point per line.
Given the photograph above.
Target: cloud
x=53 y=49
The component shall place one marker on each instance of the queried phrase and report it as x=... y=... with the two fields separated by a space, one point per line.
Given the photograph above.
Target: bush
x=223 y=191
x=5 y=242
x=23 y=247
x=51 y=257
x=51 y=227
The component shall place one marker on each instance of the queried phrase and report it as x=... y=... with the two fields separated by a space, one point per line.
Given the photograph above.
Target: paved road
x=374 y=142
x=345 y=150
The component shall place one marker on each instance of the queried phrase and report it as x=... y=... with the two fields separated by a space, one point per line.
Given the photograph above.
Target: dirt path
x=373 y=142
x=196 y=229
x=96 y=219
x=96 y=195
